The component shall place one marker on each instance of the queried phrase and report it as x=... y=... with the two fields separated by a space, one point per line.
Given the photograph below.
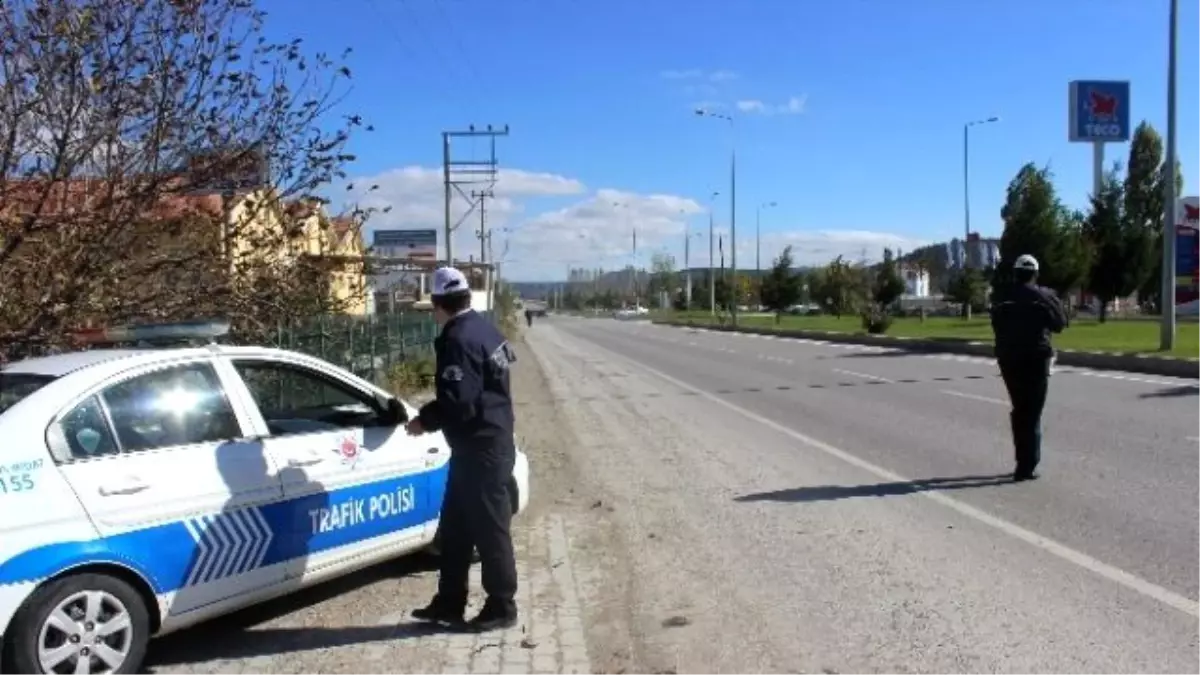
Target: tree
x=888 y=285
x=663 y=276
x=121 y=128
x=782 y=287
x=1037 y=223
x=1145 y=180
x=1118 y=245
x=839 y=288
x=967 y=287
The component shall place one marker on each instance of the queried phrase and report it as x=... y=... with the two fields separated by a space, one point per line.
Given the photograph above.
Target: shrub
x=876 y=320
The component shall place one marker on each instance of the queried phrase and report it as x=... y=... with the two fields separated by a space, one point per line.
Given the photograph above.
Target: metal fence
x=368 y=346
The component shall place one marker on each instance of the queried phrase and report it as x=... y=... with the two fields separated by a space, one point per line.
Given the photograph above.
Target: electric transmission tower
x=458 y=173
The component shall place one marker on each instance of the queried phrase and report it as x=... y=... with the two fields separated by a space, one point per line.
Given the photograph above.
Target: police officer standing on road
x=473 y=410
x=1023 y=316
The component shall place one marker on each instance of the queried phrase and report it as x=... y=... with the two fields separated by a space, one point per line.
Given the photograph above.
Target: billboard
x=405 y=244
x=1187 y=250
x=1099 y=111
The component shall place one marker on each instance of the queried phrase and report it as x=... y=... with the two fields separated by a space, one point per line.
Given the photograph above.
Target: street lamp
x=1166 y=340
x=687 y=260
x=732 y=205
x=758 y=245
x=712 y=256
x=967 y=184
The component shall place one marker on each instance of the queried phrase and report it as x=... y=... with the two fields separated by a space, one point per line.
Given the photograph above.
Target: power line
x=450 y=95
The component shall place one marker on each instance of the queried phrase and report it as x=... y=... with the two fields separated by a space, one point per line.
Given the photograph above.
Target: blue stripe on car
x=211 y=547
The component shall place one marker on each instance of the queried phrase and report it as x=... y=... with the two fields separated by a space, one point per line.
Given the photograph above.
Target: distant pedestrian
x=529 y=317
x=1023 y=317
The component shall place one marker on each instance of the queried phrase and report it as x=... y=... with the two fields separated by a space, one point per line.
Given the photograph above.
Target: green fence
x=368 y=346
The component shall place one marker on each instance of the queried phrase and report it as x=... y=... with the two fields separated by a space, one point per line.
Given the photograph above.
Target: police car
x=145 y=490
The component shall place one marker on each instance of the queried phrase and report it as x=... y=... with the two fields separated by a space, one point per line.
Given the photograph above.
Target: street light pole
x=733 y=282
x=1166 y=340
x=967 y=185
x=758 y=245
x=712 y=253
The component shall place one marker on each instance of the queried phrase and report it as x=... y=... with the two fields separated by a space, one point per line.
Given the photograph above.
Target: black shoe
x=1021 y=476
x=437 y=612
x=493 y=617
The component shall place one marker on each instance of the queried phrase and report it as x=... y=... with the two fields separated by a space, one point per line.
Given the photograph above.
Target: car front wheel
x=88 y=623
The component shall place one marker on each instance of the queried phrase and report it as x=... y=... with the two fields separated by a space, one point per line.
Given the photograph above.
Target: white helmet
x=1026 y=262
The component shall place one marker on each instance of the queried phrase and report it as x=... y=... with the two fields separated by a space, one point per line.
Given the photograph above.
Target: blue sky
x=598 y=96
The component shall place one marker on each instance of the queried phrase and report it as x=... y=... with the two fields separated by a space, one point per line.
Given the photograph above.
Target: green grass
x=1117 y=335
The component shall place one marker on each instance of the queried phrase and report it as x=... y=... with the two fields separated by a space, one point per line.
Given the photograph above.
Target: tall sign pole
x=1166 y=338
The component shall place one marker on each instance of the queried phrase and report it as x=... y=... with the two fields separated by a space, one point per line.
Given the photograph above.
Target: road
x=800 y=506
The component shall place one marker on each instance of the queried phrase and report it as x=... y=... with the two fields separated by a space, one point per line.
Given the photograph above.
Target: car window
x=182 y=405
x=16 y=386
x=296 y=400
x=87 y=432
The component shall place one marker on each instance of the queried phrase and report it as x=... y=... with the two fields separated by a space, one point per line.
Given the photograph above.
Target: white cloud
x=597 y=229
x=718 y=75
x=818 y=247
x=599 y=232
x=415 y=196
x=793 y=106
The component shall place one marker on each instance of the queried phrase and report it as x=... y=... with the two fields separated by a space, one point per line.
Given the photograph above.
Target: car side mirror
x=394 y=412
x=397 y=413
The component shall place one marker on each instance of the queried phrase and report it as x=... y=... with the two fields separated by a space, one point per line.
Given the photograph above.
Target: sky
x=847 y=115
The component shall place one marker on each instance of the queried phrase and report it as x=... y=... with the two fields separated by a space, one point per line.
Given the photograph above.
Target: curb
x=1133 y=363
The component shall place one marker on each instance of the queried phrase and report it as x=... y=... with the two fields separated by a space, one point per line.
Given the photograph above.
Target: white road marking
x=865 y=376
x=1116 y=575
x=974 y=397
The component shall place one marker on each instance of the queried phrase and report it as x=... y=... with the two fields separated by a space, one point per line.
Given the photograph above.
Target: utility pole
x=480 y=197
x=457 y=173
x=712 y=277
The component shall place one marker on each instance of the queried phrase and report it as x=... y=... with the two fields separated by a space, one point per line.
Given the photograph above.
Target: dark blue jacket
x=473 y=408
x=1023 y=317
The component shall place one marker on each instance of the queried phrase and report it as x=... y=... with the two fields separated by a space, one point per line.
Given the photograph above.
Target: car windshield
x=16 y=386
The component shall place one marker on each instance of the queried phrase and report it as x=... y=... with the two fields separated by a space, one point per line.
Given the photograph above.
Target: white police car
x=145 y=490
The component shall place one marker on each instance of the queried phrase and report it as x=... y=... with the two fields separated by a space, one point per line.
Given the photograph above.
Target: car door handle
x=296 y=462
x=129 y=487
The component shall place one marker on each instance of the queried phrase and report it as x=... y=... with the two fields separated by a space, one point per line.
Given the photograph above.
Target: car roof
x=58 y=365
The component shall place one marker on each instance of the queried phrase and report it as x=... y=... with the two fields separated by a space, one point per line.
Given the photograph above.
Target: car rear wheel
x=88 y=623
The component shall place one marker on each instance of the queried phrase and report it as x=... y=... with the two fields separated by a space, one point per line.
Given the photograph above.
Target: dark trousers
x=1027 y=380
x=477 y=514
x=529 y=319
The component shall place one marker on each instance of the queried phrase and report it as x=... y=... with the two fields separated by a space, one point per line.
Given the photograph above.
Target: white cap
x=447 y=280
x=1026 y=262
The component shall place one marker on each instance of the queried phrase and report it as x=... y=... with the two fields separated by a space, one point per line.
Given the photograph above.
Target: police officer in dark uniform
x=474 y=412
x=1023 y=316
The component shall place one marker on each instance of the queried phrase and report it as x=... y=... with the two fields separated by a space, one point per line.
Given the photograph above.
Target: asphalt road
x=843 y=508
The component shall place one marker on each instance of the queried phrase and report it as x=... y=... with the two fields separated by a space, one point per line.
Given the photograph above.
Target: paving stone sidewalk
x=337 y=634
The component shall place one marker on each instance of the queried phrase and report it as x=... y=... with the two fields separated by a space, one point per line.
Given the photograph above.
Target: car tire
x=112 y=600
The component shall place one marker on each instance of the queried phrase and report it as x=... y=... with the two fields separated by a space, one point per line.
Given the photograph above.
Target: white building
x=916 y=281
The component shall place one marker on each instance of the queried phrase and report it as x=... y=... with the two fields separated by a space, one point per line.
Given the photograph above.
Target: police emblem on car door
x=356 y=482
